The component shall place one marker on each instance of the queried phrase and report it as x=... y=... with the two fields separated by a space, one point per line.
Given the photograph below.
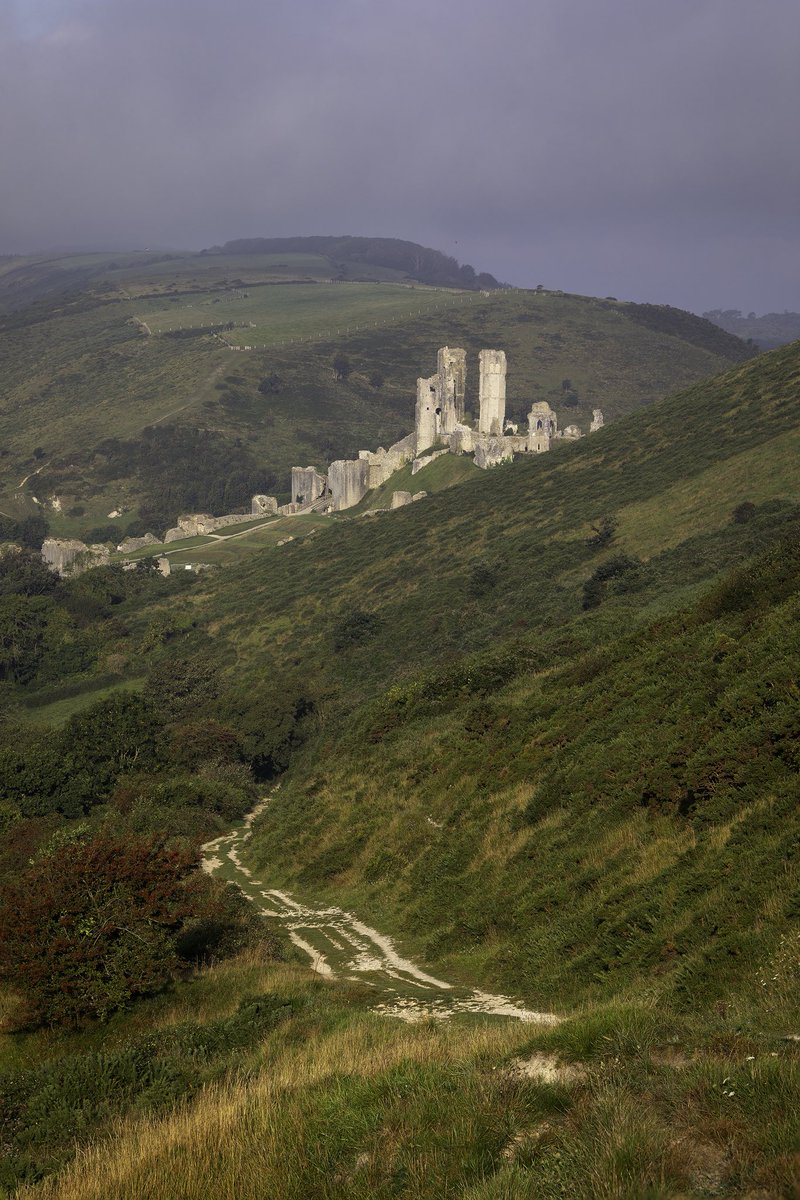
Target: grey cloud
x=608 y=146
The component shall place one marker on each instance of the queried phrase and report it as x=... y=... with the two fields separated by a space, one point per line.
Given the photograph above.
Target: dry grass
x=241 y=1140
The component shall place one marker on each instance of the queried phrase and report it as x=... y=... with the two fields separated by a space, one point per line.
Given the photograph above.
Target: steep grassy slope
x=554 y=763
x=594 y=807
x=335 y=1102
x=81 y=381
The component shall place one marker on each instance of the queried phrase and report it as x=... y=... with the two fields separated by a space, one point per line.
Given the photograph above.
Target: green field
x=265 y=317
x=57 y=712
x=233 y=547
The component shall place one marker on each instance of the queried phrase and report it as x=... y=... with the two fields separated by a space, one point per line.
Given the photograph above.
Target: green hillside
x=110 y=395
x=540 y=727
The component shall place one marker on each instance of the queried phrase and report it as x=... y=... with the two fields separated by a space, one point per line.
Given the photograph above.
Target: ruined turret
x=451 y=375
x=542 y=426
x=428 y=415
x=492 y=393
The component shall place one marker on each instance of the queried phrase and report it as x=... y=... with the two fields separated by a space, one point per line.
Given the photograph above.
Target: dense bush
x=180 y=469
x=88 y=925
x=594 y=588
x=24 y=574
x=29 y=532
x=355 y=628
x=603 y=532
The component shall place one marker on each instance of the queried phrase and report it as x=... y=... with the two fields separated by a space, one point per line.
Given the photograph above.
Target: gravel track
x=340 y=945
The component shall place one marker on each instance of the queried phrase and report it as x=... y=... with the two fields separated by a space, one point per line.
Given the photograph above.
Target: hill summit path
x=340 y=945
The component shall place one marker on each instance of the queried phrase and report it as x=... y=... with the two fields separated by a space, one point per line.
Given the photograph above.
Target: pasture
x=270 y=316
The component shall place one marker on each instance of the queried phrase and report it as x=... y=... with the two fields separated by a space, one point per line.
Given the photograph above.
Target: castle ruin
x=441 y=426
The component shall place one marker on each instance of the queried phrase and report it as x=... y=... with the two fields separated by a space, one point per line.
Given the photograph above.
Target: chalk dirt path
x=339 y=944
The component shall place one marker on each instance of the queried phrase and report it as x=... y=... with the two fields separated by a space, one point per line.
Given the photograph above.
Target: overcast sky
x=646 y=149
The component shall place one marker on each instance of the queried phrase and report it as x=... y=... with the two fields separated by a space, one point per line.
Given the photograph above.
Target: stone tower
x=451 y=370
x=597 y=420
x=492 y=392
x=428 y=417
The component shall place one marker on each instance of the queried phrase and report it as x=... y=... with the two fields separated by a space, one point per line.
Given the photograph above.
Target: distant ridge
x=767 y=332
x=418 y=262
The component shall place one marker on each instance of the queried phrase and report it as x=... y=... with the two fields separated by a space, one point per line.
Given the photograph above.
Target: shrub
x=482 y=579
x=342 y=366
x=743 y=512
x=603 y=532
x=88 y=926
x=615 y=567
x=182 y=688
x=355 y=628
x=271 y=385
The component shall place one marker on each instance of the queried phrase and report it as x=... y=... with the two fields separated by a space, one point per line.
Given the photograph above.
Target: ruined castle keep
x=440 y=427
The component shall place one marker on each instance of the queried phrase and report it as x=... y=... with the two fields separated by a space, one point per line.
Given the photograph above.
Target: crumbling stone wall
x=542 y=426
x=197 y=524
x=384 y=463
x=263 y=506
x=136 y=543
x=307 y=485
x=348 y=482
x=428 y=414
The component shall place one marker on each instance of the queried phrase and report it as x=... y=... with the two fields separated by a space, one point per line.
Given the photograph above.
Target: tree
x=90 y=924
x=341 y=366
x=109 y=739
x=23 y=628
x=30 y=532
x=24 y=574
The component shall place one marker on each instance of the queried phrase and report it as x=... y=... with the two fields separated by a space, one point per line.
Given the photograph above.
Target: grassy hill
x=542 y=726
x=112 y=393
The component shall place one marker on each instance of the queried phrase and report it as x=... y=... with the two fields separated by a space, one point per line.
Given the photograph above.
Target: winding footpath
x=338 y=944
